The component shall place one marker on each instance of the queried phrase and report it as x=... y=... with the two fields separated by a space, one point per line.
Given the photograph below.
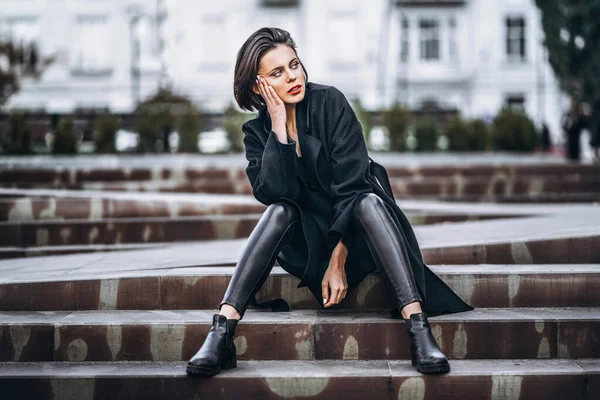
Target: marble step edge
x=469 y=379
x=298 y=335
x=203 y=287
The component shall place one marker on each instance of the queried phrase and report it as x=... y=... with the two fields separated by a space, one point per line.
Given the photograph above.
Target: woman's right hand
x=275 y=106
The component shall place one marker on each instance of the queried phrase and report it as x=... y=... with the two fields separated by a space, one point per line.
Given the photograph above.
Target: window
x=452 y=45
x=405 y=40
x=430 y=39
x=22 y=31
x=213 y=41
x=91 y=45
x=515 y=39
x=342 y=40
x=516 y=102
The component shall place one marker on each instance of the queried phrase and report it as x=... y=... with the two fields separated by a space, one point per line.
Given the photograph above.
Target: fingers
x=267 y=92
x=337 y=295
x=333 y=299
x=325 y=292
x=263 y=87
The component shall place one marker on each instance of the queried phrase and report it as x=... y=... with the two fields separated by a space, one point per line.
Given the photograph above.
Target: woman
x=332 y=218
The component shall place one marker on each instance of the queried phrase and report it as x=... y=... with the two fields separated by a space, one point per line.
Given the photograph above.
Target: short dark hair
x=248 y=59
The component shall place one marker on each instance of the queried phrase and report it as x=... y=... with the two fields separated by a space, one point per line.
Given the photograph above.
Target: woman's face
x=282 y=70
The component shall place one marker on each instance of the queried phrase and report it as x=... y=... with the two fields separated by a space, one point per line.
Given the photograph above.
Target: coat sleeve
x=350 y=163
x=271 y=167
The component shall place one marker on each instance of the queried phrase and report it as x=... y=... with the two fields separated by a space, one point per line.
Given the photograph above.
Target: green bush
x=426 y=133
x=363 y=116
x=514 y=131
x=457 y=132
x=189 y=125
x=467 y=135
x=152 y=124
x=105 y=132
x=164 y=112
x=17 y=136
x=65 y=140
x=233 y=121
x=397 y=120
x=480 y=135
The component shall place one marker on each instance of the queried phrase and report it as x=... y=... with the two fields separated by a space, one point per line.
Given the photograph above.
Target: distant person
x=329 y=222
x=573 y=124
x=545 y=140
x=595 y=131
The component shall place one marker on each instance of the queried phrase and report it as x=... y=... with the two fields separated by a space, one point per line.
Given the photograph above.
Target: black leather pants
x=274 y=229
x=387 y=247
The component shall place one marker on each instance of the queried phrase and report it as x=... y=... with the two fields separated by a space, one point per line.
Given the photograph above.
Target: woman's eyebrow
x=281 y=66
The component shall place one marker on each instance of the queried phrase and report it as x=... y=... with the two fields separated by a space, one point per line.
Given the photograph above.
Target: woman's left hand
x=334 y=286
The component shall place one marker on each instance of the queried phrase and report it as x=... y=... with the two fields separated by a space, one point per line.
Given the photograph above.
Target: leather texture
x=425 y=353
x=387 y=247
x=274 y=229
x=217 y=351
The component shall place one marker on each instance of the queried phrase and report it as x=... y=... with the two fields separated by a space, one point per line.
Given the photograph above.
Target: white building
x=469 y=55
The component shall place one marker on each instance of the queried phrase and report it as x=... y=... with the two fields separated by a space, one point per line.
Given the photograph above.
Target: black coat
x=336 y=169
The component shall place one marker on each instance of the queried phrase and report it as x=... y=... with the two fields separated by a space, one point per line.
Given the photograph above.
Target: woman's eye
x=295 y=65
x=277 y=73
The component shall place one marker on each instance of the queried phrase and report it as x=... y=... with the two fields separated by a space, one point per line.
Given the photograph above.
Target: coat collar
x=302 y=113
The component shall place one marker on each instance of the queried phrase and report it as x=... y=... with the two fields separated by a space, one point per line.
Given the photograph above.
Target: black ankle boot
x=424 y=351
x=218 y=350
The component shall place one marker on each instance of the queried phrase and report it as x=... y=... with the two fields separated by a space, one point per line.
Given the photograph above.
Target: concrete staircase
x=89 y=329
x=116 y=324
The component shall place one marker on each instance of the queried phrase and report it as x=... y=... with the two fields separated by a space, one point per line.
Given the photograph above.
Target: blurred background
x=105 y=76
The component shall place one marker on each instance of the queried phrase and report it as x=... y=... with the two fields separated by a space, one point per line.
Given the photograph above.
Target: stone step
x=87 y=173
x=486 y=188
x=517 y=240
x=297 y=335
x=374 y=379
x=47 y=209
x=126 y=230
x=162 y=229
x=570 y=197
x=20 y=252
x=67 y=209
x=46 y=287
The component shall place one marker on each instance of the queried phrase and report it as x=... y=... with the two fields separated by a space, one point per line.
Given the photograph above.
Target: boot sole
x=434 y=369
x=200 y=371
x=205 y=371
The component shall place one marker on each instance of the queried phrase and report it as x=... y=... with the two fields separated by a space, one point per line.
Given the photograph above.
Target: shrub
x=189 y=125
x=17 y=136
x=457 y=132
x=426 y=133
x=514 y=131
x=480 y=135
x=65 y=140
x=233 y=121
x=153 y=122
x=363 y=116
x=105 y=132
x=397 y=120
x=467 y=135
x=161 y=114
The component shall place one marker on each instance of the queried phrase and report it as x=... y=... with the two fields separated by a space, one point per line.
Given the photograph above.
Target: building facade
x=472 y=56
